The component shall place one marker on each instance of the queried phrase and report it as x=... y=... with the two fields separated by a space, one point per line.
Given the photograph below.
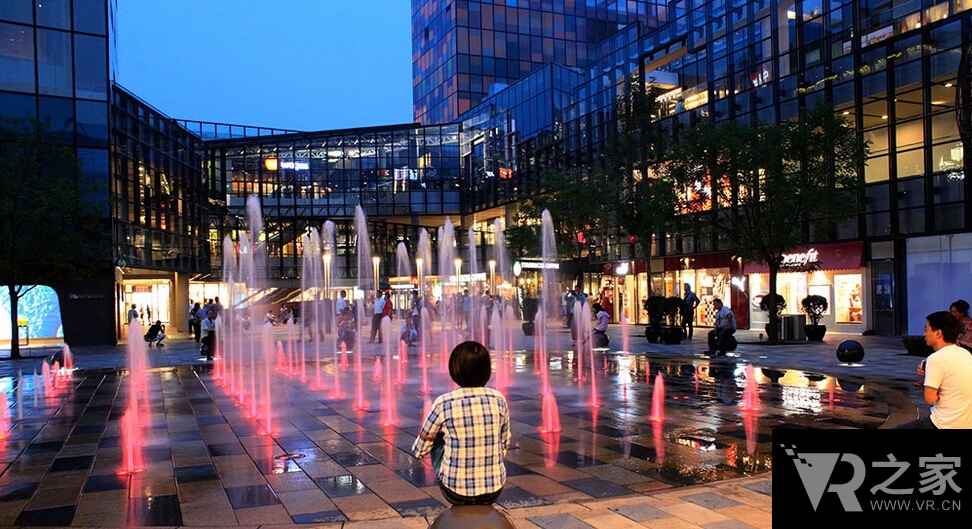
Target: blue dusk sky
x=295 y=64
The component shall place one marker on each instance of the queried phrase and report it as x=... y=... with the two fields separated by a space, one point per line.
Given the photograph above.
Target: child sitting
x=467 y=431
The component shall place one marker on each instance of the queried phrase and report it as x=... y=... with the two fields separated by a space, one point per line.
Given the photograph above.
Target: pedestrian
x=601 y=318
x=571 y=305
x=195 y=321
x=467 y=431
x=155 y=334
x=725 y=326
x=960 y=309
x=947 y=373
x=378 y=311
x=218 y=307
x=209 y=335
x=689 y=304
x=132 y=313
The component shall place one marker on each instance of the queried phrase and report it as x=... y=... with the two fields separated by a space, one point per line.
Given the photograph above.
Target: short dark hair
x=469 y=365
x=597 y=307
x=947 y=323
x=961 y=305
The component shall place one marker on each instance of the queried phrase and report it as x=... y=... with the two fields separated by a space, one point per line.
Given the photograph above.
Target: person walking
x=690 y=302
x=132 y=313
x=379 y=310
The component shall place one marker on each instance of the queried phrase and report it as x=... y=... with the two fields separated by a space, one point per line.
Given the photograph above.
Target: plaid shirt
x=476 y=427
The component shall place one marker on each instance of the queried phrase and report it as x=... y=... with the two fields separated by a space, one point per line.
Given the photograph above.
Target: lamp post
x=376 y=260
x=327 y=275
x=421 y=284
x=492 y=275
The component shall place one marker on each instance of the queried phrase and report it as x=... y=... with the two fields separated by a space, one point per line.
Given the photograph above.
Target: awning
x=833 y=256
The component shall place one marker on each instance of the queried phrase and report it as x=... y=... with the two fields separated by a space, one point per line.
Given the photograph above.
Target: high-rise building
x=55 y=64
x=464 y=50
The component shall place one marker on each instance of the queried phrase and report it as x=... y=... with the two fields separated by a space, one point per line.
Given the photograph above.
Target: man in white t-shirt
x=948 y=376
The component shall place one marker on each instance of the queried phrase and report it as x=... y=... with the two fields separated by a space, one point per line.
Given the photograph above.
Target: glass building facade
x=465 y=50
x=897 y=70
x=403 y=178
x=508 y=89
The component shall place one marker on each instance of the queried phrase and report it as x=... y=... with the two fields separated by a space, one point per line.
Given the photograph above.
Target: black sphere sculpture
x=601 y=340
x=850 y=351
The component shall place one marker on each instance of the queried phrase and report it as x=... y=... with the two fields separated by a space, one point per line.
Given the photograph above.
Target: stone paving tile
x=559 y=521
x=710 y=500
x=729 y=524
x=640 y=512
x=762 y=487
x=750 y=515
x=694 y=513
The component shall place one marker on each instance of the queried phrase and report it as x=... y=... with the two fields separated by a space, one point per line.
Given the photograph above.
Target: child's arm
x=427 y=433
x=505 y=433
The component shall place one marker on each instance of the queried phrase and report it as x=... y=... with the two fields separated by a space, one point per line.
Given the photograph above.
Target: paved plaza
x=207 y=461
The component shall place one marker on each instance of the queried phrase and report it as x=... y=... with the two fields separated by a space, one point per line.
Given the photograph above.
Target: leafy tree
x=647 y=200
x=52 y=221
x=769 y=188
x=576 y=204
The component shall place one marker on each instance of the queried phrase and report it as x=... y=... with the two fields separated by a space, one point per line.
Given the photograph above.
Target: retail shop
x=838 y=274
x=711 y=277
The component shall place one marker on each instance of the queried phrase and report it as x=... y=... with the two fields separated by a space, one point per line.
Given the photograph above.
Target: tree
x=576 y=204
x=647 y=200
x=766 y=189
x=52 y=221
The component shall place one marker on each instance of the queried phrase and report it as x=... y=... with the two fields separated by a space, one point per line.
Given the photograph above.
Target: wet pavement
x=206 y=461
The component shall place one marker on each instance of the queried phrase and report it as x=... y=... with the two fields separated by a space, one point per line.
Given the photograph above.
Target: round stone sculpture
x=472 y=517
x=850 y=351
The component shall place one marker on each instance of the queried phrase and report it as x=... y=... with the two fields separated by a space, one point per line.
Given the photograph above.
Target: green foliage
x=53 y=223
x=814 y=306
x=672 y=307
x=772 y=304
x=765 y=189
x=646 y=202
x=655 y=307
x=576 y=202
x=529 y=307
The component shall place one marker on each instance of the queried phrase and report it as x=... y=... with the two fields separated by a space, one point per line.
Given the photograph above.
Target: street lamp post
x=458 y=263
x=492 y=275
x=421 y=284
x=376 y=260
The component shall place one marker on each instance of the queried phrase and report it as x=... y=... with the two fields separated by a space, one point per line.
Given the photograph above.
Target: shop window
x=911 y=220
x=944 y=127
x=911 y=163
x=877 y=140
x=909 y=134
x=878 y=224
x=876 y=169
x=948 y=187
x=848 y=306
x=877 y=198
x=948 y=157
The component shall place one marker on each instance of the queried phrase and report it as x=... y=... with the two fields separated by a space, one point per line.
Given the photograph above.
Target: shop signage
x=519 y=266
x=800 y=260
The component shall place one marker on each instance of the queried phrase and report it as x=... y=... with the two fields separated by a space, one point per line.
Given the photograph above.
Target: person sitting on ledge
x=467 y=431
x=155 y=334
x=725 y=326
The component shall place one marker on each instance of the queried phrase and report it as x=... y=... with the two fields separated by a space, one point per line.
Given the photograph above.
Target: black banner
x=868 y=476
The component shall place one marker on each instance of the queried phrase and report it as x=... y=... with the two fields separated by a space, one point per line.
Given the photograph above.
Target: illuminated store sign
x=793 y=260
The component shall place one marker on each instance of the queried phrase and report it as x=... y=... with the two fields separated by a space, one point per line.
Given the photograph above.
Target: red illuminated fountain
x=658 y=399
x=132 y=439
x=751 y=391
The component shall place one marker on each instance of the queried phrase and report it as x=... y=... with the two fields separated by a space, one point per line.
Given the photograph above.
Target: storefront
x=711 y=277
x=839 y=276
x=623 y=287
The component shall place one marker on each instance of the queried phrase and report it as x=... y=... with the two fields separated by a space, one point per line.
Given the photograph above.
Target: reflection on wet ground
x=206 y=460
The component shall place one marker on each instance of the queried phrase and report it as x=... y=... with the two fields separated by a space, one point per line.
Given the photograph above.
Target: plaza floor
x=207 y=462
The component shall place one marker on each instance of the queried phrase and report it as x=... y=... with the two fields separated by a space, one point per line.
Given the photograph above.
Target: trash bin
x=793 y=326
